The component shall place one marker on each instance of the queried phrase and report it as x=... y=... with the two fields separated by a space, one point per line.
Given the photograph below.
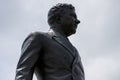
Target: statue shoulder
x=37 y=33
x=34 y=37
x=42 y=34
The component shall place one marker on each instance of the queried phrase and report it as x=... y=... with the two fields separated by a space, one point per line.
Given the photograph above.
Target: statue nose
x=77 y=21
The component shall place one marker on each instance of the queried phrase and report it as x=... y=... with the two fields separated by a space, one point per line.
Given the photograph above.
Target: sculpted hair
x=58 y=10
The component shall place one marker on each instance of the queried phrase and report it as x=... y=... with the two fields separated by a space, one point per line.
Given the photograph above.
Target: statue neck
x=59 y=31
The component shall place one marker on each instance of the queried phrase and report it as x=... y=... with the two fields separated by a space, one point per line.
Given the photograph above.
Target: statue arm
x=30 y=54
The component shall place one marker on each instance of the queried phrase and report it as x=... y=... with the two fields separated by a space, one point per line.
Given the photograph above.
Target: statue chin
x=73 y=31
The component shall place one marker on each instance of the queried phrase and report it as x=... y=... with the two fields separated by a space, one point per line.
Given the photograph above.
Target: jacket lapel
x=63 y=42
x=77 y=63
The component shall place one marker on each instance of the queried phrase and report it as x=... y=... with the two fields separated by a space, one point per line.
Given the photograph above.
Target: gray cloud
x=97 y=37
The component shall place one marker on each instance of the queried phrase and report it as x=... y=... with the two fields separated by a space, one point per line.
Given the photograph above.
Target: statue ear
x=58 y=19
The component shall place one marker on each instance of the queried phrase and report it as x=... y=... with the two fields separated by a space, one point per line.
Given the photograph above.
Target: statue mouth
x=75 y=26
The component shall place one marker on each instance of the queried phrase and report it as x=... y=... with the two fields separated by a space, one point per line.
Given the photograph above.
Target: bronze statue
x=50 y=55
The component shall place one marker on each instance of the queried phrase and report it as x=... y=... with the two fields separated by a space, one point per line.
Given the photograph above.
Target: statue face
x=69 y=22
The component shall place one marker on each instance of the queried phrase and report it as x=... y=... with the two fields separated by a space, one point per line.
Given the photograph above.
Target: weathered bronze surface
x=51 y=55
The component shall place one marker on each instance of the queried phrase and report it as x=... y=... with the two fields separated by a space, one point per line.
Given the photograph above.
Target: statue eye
x=73 y=15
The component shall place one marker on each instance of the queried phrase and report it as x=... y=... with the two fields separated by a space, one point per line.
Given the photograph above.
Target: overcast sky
x=97 y=37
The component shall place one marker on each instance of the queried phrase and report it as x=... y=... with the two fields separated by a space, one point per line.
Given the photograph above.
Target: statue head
x=63 y=16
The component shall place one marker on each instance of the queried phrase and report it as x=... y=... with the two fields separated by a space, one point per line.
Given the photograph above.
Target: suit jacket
x=51 y=56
